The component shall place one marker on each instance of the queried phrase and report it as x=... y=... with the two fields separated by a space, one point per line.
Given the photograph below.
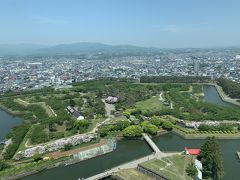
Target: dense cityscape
x=19 y=73
x=119 y=90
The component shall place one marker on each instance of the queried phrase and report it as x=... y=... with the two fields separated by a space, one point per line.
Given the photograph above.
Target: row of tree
x=220 y=127
x=17 y=134
x=175 y=79
x=229 y=87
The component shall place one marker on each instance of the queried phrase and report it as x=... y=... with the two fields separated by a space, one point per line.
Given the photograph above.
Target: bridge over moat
x=133 y=164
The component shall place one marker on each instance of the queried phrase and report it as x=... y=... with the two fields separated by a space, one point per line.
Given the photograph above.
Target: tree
x=82 y=124
x=37 y=157
x=157 y=121
x=149 y=128
x=167 y=125
x=211 y=159
x=191 y=170
x=67 y=147
x=3 y=165
x=72 y=103
x=122 y=124
x=133 y=131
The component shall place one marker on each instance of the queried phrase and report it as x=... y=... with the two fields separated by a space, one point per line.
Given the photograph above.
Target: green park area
x=139 y=108
x=152 y=104
x=130 y=174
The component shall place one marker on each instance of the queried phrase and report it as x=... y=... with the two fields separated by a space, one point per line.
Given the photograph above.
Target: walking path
x=161 y=97
x=151 y=143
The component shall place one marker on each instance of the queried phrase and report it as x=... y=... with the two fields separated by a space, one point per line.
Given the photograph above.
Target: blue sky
x=156 y=23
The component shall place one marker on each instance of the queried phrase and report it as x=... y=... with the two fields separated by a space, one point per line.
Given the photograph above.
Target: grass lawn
x=129 y=174
x=152 y=104
x=172 y=167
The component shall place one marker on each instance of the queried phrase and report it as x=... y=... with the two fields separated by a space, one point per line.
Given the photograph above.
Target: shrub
x=37 y=157
x=3 y=165
x=133 y=131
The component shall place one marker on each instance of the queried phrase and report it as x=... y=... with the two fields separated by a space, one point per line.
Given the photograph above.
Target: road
x=108 y=108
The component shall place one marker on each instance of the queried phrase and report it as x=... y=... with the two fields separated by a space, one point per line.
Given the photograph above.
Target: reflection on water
x=211 y=95
x=7 y=121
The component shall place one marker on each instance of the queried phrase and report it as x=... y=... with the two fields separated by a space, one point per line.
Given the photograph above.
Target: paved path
x=151 y=143
x=161 y=97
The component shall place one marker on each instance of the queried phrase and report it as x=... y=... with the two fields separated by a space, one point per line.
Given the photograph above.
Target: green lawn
x=172 y=167
x=130 y=174
x=152 y=104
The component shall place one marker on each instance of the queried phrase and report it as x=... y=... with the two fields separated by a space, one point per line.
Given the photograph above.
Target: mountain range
x=83 y=48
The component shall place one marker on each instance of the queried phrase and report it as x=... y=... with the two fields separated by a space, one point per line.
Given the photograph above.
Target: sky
x=150 y=23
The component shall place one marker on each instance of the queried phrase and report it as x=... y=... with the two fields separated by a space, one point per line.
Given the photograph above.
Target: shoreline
x=9 y=111
x=224 y=96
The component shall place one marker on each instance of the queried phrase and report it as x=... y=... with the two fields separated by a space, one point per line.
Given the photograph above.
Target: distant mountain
x=101 y=50
x=93 y=48
x=83 y=48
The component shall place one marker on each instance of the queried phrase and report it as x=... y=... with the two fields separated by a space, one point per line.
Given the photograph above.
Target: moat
x=128 y=150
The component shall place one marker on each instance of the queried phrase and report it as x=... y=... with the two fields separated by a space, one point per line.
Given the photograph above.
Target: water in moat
x=7 y=122
x=211 y=95
x=128 y=150
x=131 y=149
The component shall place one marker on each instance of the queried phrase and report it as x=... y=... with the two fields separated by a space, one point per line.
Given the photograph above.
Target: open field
x=46 y=107
x=152 y=104
x=172 y=167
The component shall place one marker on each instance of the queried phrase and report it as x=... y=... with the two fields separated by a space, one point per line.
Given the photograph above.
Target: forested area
x=182 y=101
x=130 y=129
x=128 y=93
x=229 y=87
x=175 y=79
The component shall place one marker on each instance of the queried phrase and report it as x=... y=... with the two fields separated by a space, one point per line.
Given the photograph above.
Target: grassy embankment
x=172 y=167
x=130 y=174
